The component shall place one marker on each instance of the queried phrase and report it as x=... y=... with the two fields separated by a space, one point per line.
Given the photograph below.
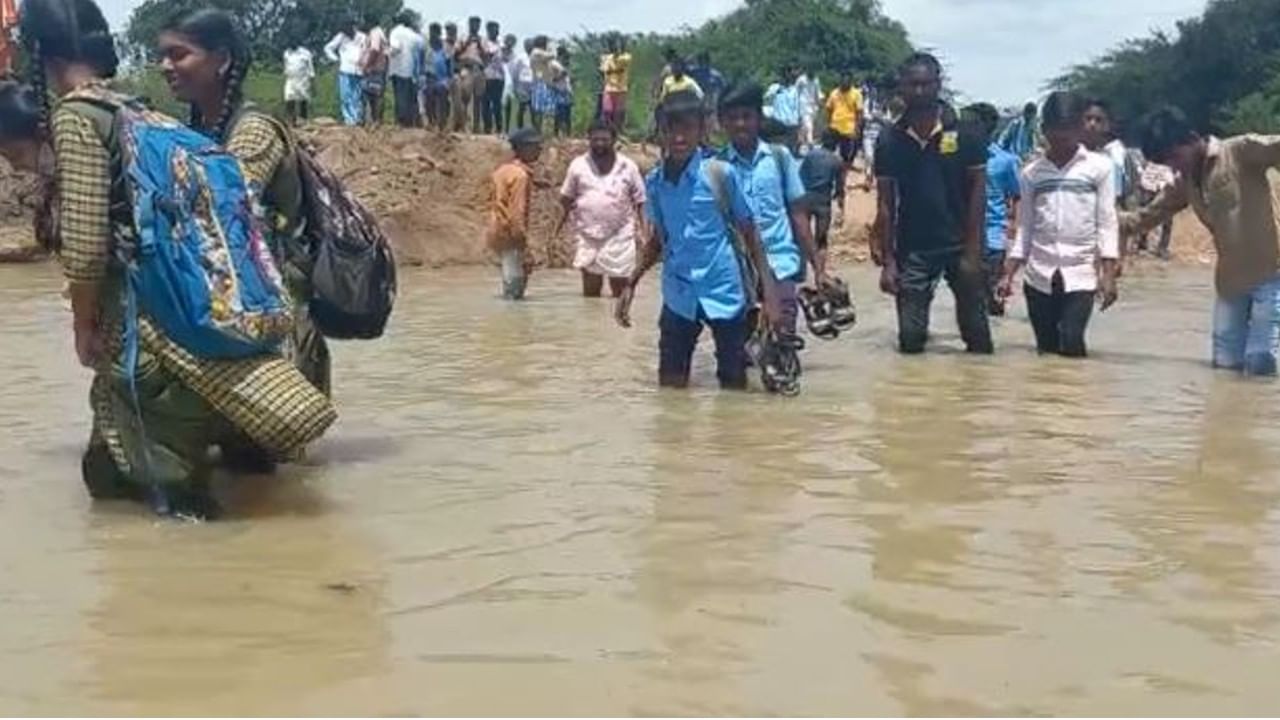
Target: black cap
x=525 y=137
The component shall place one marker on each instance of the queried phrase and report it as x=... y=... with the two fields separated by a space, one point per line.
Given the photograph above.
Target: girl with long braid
x=204 y=58
x=154 y=422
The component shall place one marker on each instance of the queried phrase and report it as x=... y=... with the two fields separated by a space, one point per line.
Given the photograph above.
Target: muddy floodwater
x=510 y=519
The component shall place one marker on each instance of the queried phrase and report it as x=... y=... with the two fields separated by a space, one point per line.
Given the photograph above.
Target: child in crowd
x=509 y=216
x=695 y=205
x=1069 y=233
x=1003 y=192
x=823 y=175
x=770 y=176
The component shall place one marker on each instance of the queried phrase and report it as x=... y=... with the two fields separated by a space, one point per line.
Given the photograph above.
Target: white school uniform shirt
x=1068 y=221
x=348 y=52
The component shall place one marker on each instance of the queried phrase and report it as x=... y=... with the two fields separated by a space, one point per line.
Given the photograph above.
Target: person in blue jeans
x=695 y=206
x=1226 y=181
x=1003 y=193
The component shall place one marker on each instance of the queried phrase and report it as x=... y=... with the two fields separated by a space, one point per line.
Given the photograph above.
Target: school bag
x=353 y=273
x=196 y=260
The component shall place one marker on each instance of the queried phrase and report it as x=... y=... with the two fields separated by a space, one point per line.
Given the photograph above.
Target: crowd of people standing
x=1055 y=199
x=480 y=82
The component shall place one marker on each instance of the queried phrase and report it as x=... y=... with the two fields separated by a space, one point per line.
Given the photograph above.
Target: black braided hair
x=40 y=84
x=216 y=31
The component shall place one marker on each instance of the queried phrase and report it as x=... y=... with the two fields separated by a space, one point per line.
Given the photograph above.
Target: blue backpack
x=197 y=261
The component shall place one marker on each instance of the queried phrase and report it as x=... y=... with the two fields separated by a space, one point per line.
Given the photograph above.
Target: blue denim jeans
x=1246 y=330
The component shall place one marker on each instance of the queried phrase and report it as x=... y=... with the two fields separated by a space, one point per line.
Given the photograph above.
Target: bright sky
x=997 y=50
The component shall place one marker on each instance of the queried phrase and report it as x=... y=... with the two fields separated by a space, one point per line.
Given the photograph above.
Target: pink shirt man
x=604 y=216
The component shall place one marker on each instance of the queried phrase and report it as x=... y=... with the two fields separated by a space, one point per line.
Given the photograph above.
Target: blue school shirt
x=700 y=268
x=1002 y=184
x=786 y=106
x=769 y=190
x=441 y=66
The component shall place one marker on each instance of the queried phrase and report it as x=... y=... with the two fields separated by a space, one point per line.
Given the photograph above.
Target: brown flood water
x=510 y=519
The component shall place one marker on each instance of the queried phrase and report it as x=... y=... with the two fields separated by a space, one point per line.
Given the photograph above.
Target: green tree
x=1212 y=65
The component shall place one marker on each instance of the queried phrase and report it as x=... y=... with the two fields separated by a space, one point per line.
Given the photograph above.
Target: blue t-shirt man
x=1003 y=185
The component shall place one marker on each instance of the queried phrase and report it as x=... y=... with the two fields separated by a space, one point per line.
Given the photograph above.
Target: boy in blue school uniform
x=1004 y=190
x=694 y=206
x=770 y=178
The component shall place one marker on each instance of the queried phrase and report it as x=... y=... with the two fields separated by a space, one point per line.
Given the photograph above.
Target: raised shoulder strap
x=780 y=157
x=718 y=177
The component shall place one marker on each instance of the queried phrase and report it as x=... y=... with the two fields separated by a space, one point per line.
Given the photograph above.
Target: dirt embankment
x=431 y=192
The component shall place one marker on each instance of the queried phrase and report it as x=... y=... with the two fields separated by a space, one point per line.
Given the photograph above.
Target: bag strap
x=780 y=157
x=718 y=177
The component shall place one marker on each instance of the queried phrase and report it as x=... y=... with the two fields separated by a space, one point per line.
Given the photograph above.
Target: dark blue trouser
x=679 y=338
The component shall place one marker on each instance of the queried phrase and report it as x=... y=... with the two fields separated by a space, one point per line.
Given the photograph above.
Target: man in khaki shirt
x=1226 y=182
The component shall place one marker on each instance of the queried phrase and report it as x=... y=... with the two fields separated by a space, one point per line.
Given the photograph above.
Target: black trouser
x=918 y=275
x=406 y=96
x=993 y=266
x=492 y=110
x=679 y=337
x=296 y=110
x=563 y=119
x=821 y=223
x=1060 y=318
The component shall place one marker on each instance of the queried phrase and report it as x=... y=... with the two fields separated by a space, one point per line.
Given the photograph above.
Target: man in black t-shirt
x=931 y=176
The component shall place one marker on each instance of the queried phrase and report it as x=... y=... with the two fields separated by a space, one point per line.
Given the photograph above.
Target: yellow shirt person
x=616 y=68
x=844 y=110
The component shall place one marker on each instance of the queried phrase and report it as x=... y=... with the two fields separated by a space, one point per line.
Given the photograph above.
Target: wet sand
x=510 y=519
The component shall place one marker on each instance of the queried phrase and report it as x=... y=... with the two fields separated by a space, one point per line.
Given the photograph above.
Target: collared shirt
x=932 y=179
x=406 y=44
x=510 y=193
x=348 y=52
x=1118 y=155
x=700 y=269
x=844 y=110
x=604 y=204
x=1236 y=200
x=770 y=189
x=520 y=69
x=1003 y=185
x=809 y=94
x=785 y=105
x=1069 y=221
x=299 y=65
x=440 y=66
